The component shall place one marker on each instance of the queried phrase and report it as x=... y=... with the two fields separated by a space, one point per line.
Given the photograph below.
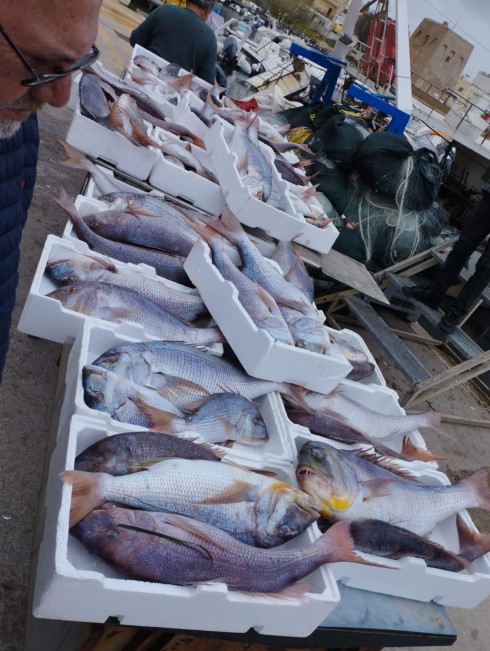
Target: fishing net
x=340 y=138
x=389 y=165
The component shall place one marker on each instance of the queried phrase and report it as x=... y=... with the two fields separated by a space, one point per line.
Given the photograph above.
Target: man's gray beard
x=8 y=128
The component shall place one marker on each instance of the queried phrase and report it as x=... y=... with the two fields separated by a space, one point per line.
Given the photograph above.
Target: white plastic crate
x=288 y=225
x=411 y=578
x=186 y=184
x=73 y=585
x=257 y=351
x=43 y=316
x=95 y=340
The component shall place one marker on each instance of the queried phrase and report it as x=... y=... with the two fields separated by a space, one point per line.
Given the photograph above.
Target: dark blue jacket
x=18 y=160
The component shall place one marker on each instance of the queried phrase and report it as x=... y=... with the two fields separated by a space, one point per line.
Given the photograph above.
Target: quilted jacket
x=18 y=160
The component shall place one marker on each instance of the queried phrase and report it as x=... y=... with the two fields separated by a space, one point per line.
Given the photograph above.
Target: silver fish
x=93 y=101
x=294 y=268
x=352 y=487
x=165 y=264
x=184 y=374
x=255 y=509
x=119 y=304
x=78 y=267
x=122 y=454
x=362 y=367
x=173 y=549
x=219 y=418
x=251 y=162
x=125 y=401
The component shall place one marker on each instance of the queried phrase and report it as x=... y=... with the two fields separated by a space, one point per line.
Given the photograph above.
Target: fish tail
x=340 y=546
x=479 y=482
x=472 y=543
x=413 y=452
x=85 y=495
x=433 y=420
x=76 y=159
x=68 y=205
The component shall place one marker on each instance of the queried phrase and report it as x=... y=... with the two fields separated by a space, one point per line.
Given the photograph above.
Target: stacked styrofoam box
x=185 y=184
x=410 y=577
x=46 y=317
x=288 y=225
x=72 y=585
x=95 y=340
x=257 y=351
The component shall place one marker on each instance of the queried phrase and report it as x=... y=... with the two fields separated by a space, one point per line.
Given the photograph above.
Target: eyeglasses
x=37 y=80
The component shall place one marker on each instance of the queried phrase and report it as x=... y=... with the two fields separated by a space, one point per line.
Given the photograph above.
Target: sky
x=470 y=19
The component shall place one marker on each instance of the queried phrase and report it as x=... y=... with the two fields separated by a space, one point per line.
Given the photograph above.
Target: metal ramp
x=392 y=345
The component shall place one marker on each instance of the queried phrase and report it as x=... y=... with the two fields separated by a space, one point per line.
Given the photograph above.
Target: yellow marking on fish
x=339 y=503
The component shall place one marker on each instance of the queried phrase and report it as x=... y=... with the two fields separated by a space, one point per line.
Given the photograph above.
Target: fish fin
x=66 y=202
x=341 y=547
x=181 y=83
x=238 y=491
x=76 y=159
x=295 y=395
x=413 y=452
x=309 y=192
x=433 y=420
x=305 y=162
x=144 y=464
x=242 y=164
x=472 y=543
x=189 y=388
x=293 y=266
x=228 y=428
x=194 y=527
x=85 y=495
x=479 y=482
x=257 y=471
x=376 y=488
x=383 y=462
x=116 y=313
x=266 y=298
x=160 y=421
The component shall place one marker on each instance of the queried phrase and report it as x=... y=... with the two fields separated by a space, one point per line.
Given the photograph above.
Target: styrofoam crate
x=356 y=341
x=288 y=225
x=98 y=141
x=411 y=578
x=257 y=351
x=95 y=340
x=385 y=401
x=185 y=184
x=73 y=585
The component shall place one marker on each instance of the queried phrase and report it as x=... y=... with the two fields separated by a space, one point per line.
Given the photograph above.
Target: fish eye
x=257 y=420
x=112 y=533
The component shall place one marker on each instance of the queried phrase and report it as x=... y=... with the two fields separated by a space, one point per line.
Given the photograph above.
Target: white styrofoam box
x=383 y=400
x=288 y=225
x=73 y=585
x=95 y=340
x=257 y=351
x=45 y=317
x=412 y=578
x=185 y=184
x=94 y=139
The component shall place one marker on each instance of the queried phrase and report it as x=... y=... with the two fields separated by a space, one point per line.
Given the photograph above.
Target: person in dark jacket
x=40 y=46
x=477 y=229
x=180 y=35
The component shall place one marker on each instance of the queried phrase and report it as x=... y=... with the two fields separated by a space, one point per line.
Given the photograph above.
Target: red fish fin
x=76 y=159
x=413 y=452
x=242 y=164
x=177 y=388
x=66 y=202
x=472 y=543
x=161 y=421
x=266 y=298
x=85 y=494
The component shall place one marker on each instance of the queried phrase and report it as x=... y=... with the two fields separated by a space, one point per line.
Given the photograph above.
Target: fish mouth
x=304 y=471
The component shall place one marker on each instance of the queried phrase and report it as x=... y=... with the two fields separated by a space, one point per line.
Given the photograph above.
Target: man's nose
x=56 y=93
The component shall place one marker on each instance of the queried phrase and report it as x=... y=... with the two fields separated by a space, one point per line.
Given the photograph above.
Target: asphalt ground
x=31 y=375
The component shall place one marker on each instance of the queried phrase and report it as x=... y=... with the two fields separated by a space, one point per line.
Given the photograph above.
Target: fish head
x=249 y=425
x=97 y=525
x=115 y=200
x=117 y=361
x=79 y=297
x=323 y=473
x=283 y=512
x=64 y=271
x=103 y=390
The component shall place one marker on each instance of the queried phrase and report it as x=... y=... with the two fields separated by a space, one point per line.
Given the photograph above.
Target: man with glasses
x=41 y=44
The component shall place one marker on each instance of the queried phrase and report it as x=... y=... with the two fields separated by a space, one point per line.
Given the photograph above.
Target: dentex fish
x=329 y=427
x=219 y=418
x=184 y=305
x=362 y=367
x=169 y=548
x=351 y=487
x=257 y=302
x=368 y=421
x=183 y=374
x=165 y=264
x=146 y=221
x=123 y=454
x=294 y=268
x=118 y=304
x=255 y=509
x=387 y=540
x=93 y=101
x=124 y=400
